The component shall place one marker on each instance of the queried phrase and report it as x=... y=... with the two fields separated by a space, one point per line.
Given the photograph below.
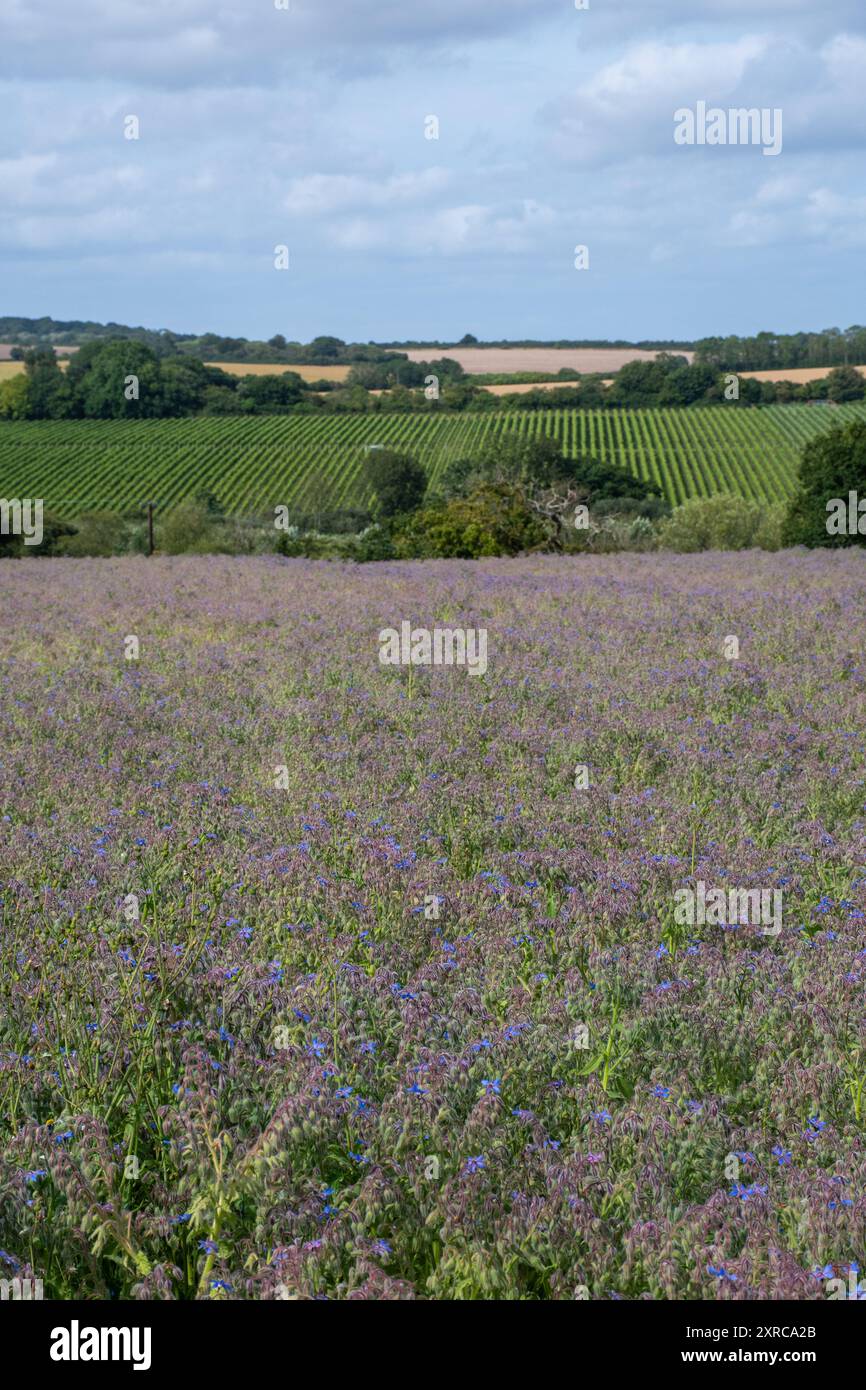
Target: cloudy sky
x=307 y=126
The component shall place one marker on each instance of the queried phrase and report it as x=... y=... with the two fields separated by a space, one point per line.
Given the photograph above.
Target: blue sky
x=306 y=127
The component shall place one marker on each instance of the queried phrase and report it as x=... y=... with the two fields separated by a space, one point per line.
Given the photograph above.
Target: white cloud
x=21 y=180
x=319 y=194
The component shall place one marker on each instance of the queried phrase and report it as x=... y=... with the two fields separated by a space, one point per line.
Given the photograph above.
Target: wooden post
x=150 y=528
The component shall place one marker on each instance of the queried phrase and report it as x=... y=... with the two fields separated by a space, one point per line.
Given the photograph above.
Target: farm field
x=8 y=369
x=798 y=375
x=537 y=359
x=265 y=369
x=521 y=387
x=253 y=464
x=242 y=1061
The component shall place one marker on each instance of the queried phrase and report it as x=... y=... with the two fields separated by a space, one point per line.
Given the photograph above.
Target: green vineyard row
x=254 y=464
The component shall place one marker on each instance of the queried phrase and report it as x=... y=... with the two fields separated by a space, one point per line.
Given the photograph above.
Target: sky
x=305 y=124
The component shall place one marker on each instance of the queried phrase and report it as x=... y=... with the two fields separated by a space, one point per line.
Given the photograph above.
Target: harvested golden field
x=796 y=374
x=277 y=368
x=534 y=386
x=8 y=368
x=480 y=360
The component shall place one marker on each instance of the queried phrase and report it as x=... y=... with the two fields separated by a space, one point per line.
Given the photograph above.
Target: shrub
x=721 y=522
x=653 y=508
x=494 y=520
x=375 y=543
x=191 y=529
x=96 y=533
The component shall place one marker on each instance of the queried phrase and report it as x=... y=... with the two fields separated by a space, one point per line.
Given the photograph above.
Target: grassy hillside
x=253 y=464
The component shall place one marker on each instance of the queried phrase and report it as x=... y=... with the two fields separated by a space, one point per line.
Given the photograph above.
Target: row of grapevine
x=253 y=464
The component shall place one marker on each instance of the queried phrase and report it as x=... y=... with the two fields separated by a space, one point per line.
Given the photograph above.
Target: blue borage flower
x=745 y=1193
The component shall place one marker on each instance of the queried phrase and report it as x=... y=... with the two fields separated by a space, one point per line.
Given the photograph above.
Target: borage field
x=413 y=1018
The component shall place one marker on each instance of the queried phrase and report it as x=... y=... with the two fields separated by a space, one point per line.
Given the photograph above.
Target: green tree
x=831 y=466
x=845 y=384
x=327 y=346
x=535 y=465
x=121 y=379
x=398 y=481
x=184 y=384
x=685 y=385
x=271 y=395
x=49 y=393
x=15 y=398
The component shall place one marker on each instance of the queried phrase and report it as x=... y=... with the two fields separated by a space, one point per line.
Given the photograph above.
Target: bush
x=375 y=543
x=55 y=530
x=494 y=520
x=831 y=466
x=722 y=522
x=653 y=508
x=190 y=529
x=96 y=533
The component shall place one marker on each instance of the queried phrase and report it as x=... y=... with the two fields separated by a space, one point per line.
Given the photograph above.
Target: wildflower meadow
x=331 y=978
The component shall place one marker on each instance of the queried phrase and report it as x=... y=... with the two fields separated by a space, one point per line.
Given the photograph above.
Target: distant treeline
x=325 y=351
x=120 y=379
x=833 y=347
x=763 y=351
x=469 y=340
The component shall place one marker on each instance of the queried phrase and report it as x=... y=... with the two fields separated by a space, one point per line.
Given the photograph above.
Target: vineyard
x=253 y=464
